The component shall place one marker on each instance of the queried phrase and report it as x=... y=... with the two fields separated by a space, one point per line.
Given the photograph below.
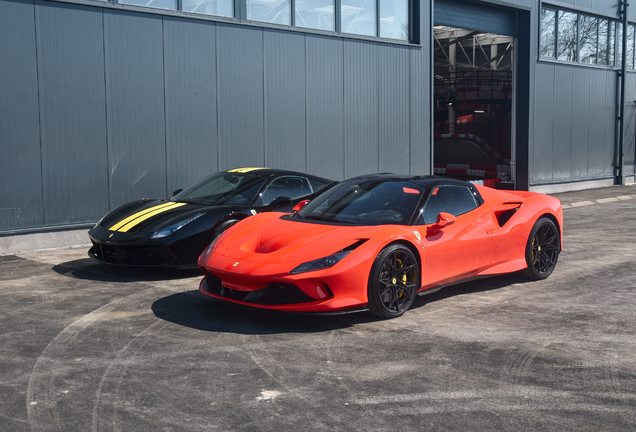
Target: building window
x=586 y=39
x=394 y=19
x=629 y=56
x=358 y=17
x=272 y=11
x=316 y=14
x=567 y=37
x=588 y=42
x=161 y=4
x=606 y=38
x=548 y=33
x=211 y=7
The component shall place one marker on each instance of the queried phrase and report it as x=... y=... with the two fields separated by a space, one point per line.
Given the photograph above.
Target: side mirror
x=177 y=191
x=281 y=200
x=444 y=219
x=298 y=207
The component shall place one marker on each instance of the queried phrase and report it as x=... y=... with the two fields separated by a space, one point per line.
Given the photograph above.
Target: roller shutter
x=473 y=16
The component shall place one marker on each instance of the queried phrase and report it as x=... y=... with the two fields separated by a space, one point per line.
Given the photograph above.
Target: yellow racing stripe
x=245 y=170
x=155 y=210
x=139 y=220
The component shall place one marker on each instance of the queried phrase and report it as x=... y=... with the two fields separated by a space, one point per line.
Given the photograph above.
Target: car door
x=463 y=247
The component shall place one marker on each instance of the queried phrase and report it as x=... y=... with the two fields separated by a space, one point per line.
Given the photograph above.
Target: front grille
x=273 y=294
x=130 y=255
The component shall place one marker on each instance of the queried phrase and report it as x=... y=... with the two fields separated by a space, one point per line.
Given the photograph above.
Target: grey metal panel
x=135 y=106
x=240 y=96
x=610 y=121
x=20 y=174
x=541 y=159
x=190 y=80
x=580 y=109
x=394 y=108
x=70 y=50
x=562 y=144
x=630 y=124
x=420 y=92
x=360 y=108
x=474 y=16
x=600 y=121
x=284 y=69
x=325 y=115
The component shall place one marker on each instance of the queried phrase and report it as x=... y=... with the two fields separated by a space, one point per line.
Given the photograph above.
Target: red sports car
x=375 y=242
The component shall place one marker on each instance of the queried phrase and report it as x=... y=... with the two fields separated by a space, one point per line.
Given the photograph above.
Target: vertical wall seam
x=216 y=96
x=108 y=191
x=264 y=129
x=165 y=113
x=37 y=86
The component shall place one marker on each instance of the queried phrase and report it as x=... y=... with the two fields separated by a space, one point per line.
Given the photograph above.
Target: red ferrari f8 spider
x=375 y=242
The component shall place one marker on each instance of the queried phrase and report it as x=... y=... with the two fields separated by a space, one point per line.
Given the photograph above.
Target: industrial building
x=103 y=102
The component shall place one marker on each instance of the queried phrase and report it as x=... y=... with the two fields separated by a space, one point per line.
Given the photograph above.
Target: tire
x=393 y=282
x=224 y=226
x=542 y=250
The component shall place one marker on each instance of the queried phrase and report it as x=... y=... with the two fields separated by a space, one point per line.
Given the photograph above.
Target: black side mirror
x=281 y=200
x=177 y=191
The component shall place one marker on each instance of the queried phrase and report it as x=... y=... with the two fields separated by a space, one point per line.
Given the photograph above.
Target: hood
x=268 y=238
x=148 y=216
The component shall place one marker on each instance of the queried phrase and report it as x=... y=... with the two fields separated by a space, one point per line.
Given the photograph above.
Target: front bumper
x=137 y=255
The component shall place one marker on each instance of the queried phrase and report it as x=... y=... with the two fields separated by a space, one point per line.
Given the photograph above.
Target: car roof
x=267 y=172
x=424 y=180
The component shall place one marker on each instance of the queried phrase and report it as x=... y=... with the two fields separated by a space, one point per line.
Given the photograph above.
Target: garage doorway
x=473 y=88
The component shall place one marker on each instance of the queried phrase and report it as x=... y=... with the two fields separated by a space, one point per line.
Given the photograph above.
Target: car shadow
x=200 y=312
x=88 y=269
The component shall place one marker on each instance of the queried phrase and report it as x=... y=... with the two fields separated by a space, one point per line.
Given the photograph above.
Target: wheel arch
x=554 y=219
x=413 y=250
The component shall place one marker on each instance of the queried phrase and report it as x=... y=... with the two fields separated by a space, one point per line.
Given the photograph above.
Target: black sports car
x=174 y=232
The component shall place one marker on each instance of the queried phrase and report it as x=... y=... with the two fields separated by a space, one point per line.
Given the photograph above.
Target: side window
x=316 y=184
x=455 y=200
x=287 y=186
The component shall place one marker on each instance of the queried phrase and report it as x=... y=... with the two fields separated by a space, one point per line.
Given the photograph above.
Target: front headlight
x=321 y=263
x=171 y=229
x=328 y=261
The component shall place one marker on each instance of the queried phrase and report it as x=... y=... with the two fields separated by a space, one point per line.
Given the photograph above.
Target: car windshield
x=222 y=189
x=366 y=202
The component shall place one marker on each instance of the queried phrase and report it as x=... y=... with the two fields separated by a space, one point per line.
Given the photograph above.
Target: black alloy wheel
x=393 y=282
x=542 y=249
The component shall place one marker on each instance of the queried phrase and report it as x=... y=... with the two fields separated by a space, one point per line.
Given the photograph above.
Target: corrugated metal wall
x=102 y=106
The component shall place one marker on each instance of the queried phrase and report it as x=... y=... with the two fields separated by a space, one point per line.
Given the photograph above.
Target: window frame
x=614 y=39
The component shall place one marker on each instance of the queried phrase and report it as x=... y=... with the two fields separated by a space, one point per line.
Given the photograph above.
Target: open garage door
x=473 y=87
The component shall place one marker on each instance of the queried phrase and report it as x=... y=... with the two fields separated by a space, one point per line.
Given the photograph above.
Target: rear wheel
x=542 y=249
x=393 y=282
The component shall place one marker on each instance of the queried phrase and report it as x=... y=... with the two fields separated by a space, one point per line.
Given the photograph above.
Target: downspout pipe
x=620 y=177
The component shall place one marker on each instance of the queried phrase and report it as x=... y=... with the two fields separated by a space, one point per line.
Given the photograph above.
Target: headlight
x=320 y=264
x=167 y=231
x=328 y=261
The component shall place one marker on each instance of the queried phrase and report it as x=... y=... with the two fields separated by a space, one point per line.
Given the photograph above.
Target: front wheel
x=393 y=282
x=542 y=250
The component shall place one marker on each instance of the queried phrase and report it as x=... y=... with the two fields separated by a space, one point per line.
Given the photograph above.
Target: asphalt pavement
x=87 y=347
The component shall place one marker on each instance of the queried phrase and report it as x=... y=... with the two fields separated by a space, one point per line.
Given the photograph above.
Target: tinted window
x=548 y=32
x=287 y=186
x=316 y=184
x=222 y=189
x=366 y=202
x=589 y=39
x=568 y=36
x=455 y=200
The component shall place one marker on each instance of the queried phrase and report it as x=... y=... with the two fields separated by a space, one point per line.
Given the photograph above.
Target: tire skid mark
x=40 y=399
x=115 y=363
x=264 y=361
